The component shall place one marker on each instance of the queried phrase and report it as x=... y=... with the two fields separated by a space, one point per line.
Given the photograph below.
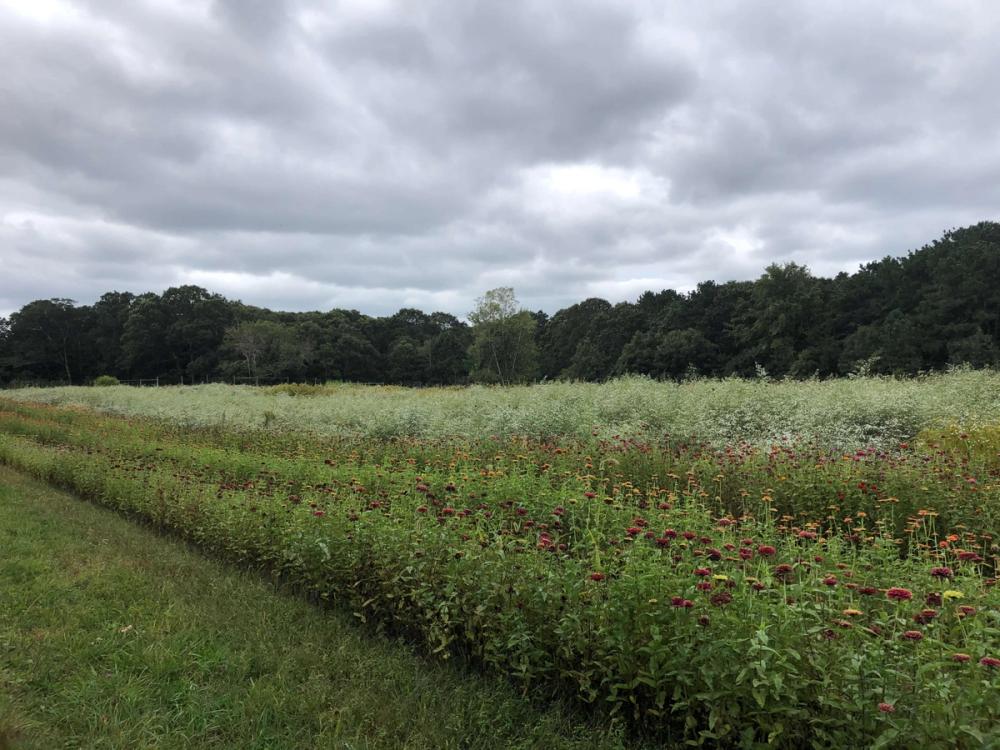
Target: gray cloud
x=386 y=154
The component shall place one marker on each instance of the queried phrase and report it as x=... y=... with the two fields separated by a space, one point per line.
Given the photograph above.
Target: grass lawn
x=112 y=636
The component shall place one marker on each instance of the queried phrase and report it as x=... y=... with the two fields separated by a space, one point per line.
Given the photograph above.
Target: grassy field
x=834 y=587
x=849 y=413
x=112 y=636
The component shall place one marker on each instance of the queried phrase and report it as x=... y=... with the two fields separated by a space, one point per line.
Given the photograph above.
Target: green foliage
x=114 y=637
x=937 y=307
x=566 y=564
x=102 y=381
x=503 y=346
x=877 y=411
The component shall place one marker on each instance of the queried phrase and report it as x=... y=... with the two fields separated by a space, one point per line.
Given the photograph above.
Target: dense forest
x=937 y=306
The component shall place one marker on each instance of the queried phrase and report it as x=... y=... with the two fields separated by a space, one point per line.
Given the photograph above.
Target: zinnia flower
x=597 y=576
x=766 y=550
x=886 y=708
x=913 y=635
x=961 y=658
x=942 y=572
x=990 y=661
x=899 y=594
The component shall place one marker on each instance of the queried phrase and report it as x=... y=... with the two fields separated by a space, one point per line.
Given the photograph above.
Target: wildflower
x=766 y=550
x=990 y=661
x=319 y=513
x=868 y=590
x=713 y=554
x=942 y=572
x=966 y=611
x=745 y=553
x=933 y=599
x=853 y=612
x=669 y=534
x=757 y=586
x=721 y=598
x=830 y=581
x=969 y=557
x=681 y=603
x=960 y=658
x=952 y=594
x=924 y=616
x=703 y=586
x=886 y=708
x=689 y=535
x=807 y=535
x=703 y=571
x=783 y=571
x=633 y=530
x=912 y=635
x=899 y=594
x=597 y=576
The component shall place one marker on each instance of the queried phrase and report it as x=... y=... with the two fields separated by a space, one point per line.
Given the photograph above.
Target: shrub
x=106 y=380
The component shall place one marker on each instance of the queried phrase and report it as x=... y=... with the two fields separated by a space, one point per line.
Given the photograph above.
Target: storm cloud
x=377 y=154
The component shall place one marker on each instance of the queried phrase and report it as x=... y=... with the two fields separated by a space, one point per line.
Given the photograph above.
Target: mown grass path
x=112 y=636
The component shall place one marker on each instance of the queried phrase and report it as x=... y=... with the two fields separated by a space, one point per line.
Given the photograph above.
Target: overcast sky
x=372 y=154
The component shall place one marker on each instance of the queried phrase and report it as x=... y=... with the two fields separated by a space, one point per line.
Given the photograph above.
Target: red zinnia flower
x=886 y=708
x=933 y=599
x=965 y=610
x=703 y=571
x=990 y=661
x=942 y=572
x=766 y=550
x=597 y=576
x=925 y=616
x=670 y=534
x=721 y=598
x=868 y=590
x=830 y=581
x=703 y=585
x=961 y=658
x=913 y=635
x=899 y=594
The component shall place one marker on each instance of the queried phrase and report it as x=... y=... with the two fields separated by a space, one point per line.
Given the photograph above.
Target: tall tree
x=503 y=348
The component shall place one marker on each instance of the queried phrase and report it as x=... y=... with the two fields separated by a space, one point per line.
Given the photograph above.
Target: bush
x=105 y=380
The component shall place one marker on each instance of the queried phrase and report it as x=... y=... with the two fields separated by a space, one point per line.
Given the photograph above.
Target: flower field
x=833 y=585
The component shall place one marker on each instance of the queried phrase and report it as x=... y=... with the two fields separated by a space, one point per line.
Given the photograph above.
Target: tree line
x=937 y=306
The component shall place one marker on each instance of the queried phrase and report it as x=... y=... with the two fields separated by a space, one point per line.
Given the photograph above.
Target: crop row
x=702 y=594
